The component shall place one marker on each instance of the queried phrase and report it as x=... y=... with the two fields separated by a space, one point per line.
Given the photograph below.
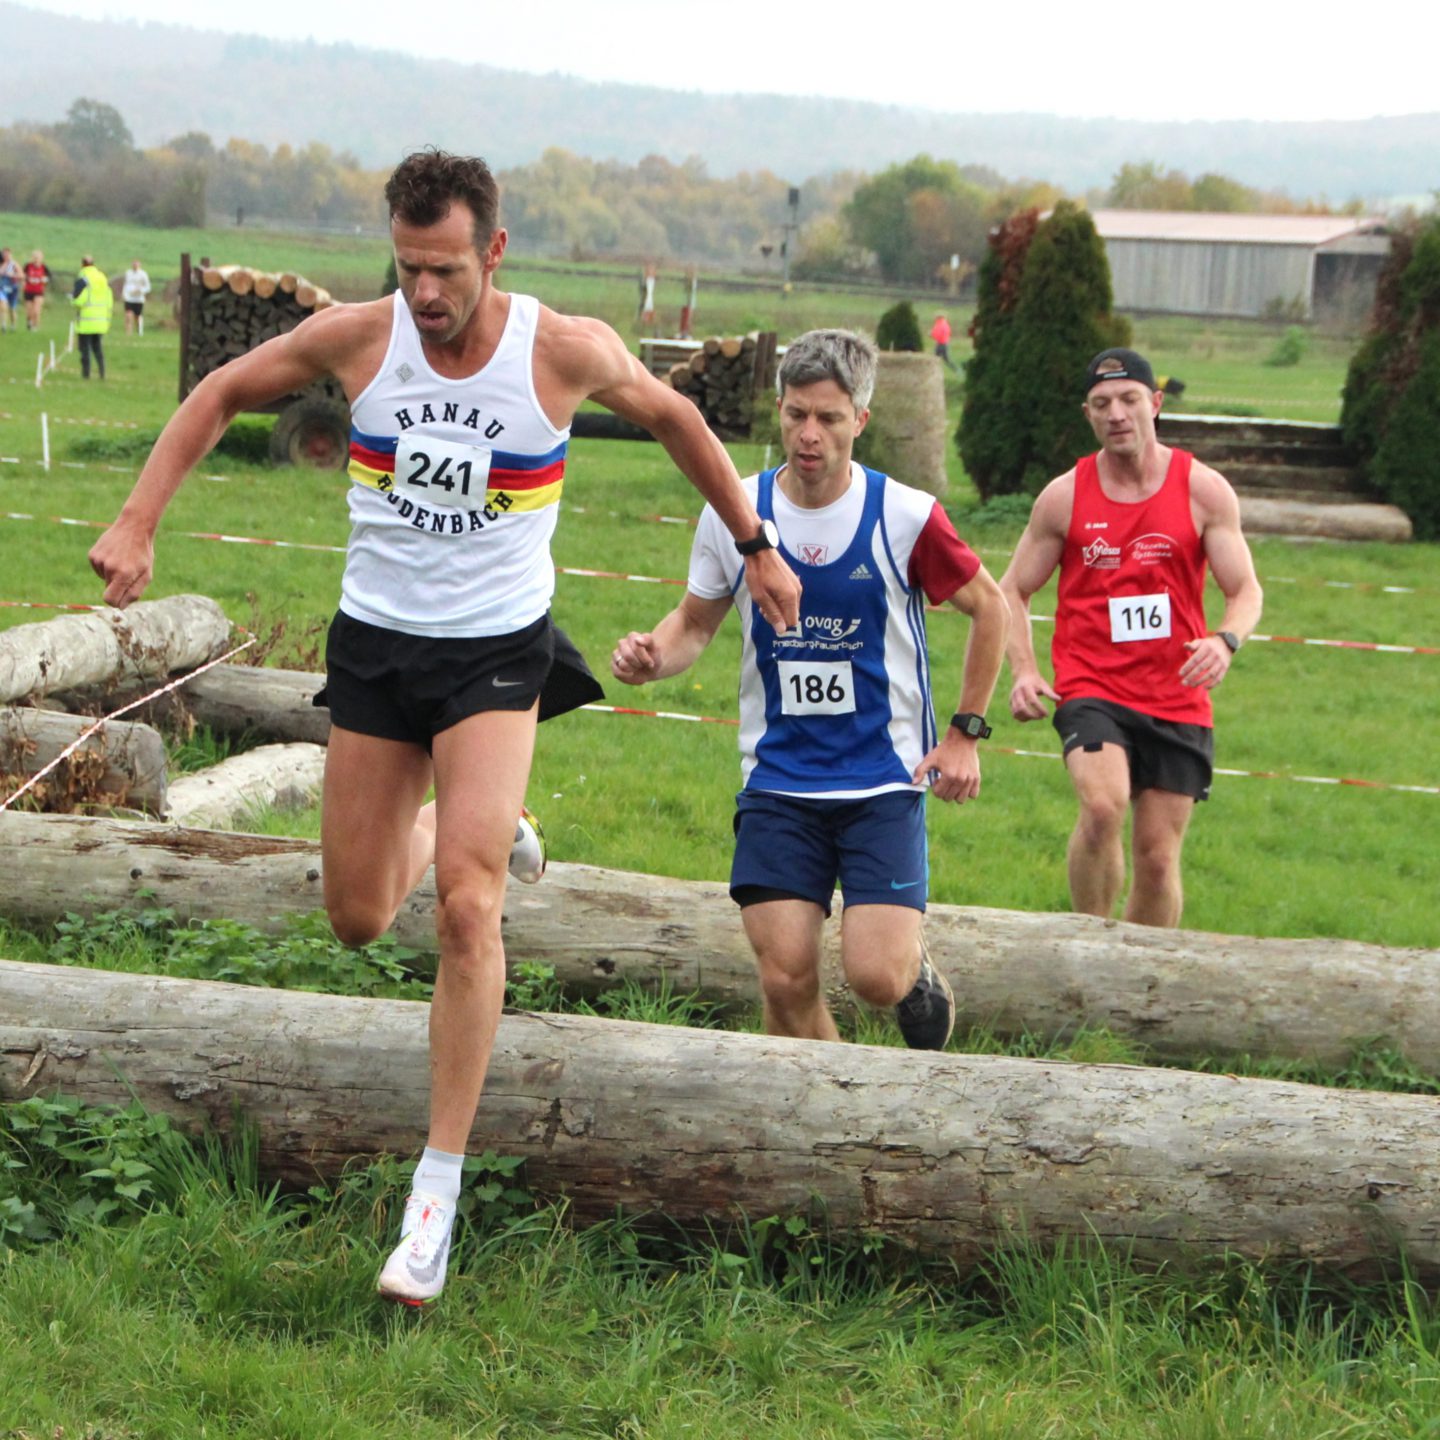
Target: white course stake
x=70 y=339
x=52 y=354
x=45 y=439
x=39 y=369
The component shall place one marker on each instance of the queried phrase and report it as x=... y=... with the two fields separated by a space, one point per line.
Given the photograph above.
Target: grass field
x=220 y=1308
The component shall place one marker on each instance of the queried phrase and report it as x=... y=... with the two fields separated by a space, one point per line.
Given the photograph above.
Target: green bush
x=1043 y=312
x=1391 y=409
x=899 y=329
x=1290 y=348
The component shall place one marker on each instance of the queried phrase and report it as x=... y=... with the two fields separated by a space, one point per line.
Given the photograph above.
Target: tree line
x=922 y=222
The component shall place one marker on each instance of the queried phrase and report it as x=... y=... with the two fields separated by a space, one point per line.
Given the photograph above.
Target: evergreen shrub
x=1391 y=410
x=1043 y=311
x=899 y=329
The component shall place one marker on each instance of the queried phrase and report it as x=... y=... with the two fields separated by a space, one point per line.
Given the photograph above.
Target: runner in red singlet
x=1132 y=529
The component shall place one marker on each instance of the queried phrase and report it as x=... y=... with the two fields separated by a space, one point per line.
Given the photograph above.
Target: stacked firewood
x=234 y=308
x=723 y=378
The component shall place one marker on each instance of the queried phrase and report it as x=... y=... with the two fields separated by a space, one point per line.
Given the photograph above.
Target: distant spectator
x=133 y=293
x=93 y=303
x=37 y=277
x=940 y=334
x=11 y=277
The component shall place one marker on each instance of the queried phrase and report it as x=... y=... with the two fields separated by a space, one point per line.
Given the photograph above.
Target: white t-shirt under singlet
x=456 y=489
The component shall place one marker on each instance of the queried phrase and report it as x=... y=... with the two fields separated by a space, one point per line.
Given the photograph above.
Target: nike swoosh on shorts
x=908 y=885
x=500 y=684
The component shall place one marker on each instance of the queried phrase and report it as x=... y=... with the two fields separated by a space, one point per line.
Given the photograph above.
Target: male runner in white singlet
x=442 y=655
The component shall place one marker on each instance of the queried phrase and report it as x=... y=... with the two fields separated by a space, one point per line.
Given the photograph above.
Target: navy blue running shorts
x=790 y=847
x=410 y=687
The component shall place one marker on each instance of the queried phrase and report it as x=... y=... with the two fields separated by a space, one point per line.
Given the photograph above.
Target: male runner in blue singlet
x=837 y=733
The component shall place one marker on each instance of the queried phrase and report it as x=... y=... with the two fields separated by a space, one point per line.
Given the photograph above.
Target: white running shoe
x=528 y=856
x=415 y=1272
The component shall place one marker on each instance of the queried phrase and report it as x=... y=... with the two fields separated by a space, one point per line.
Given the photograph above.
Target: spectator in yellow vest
x=93 y=303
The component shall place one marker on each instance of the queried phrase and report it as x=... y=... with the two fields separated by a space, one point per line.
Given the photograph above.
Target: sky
x=1220 y=60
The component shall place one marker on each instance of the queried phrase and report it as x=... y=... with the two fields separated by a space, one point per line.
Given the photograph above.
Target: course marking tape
x=86 y=465
x=104 y=720
x=70 y=420
x=665 y=580
x=1052 y=754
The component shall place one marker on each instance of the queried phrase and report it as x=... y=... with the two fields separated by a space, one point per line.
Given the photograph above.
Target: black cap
x=1119 y=364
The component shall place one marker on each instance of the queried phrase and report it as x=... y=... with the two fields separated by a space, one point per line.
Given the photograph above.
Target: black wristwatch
x=767 y=537
x=1230 y=639
x=968 y=723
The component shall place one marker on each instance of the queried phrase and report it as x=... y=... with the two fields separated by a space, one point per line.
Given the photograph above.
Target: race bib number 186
x=1139 y=617
x=816 y=687
x=442 y=472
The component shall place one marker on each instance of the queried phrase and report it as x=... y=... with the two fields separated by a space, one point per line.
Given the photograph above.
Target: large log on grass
x=120 y=764
x=950 y=1156
x=231 y=700
x=279 y=776
x=1181 y=993
x=149 y=639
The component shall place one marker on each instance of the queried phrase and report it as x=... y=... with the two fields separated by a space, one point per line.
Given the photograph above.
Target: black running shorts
x=1164 y=754
x=410 y=687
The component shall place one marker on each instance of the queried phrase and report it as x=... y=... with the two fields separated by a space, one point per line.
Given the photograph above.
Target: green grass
x=656 y=795
x=209 y=1304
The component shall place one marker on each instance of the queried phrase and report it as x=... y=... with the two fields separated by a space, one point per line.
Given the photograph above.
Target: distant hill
x=169 y=79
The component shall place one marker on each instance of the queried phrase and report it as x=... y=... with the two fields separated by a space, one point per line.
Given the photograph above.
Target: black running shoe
x=926 y=1016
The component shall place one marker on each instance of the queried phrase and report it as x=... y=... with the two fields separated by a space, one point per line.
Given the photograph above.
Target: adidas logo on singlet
x=861 y=572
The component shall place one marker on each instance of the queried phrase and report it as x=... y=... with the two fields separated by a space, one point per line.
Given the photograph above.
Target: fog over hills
x=166 y=80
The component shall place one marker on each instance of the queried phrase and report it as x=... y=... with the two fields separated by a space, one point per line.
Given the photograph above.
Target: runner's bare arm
x=955 y=760
x=1217 y=514
x=1033 y=563
x=123 y=556
x=673 y=646
x=598 y=362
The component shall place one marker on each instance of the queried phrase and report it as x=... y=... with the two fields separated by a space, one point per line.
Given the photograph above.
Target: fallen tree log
x=1181 y=993
x=232 y=700
x=151 y=638
x=285 y=776
x=950 y=1156
x=120 y=764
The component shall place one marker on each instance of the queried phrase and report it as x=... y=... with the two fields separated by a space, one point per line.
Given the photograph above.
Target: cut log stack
x=724 y=376
x=234 y=308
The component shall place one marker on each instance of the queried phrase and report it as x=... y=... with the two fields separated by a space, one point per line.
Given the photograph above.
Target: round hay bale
x=908 y=428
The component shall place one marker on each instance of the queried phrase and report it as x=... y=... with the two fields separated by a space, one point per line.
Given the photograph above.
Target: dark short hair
x=425 y=184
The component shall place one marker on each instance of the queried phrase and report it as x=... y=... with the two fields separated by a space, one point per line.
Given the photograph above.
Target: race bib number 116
x=1139 y=617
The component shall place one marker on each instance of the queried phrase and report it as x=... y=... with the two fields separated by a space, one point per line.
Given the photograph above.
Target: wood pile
x=233 y=308
x=723 y=378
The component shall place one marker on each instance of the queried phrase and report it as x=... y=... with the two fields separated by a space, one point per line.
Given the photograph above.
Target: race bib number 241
x=442 y=472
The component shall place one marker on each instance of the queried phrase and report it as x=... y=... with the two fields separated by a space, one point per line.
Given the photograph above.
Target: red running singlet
x=1132 y=583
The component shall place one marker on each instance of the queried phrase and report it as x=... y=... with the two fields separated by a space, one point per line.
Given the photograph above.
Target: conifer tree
x=1044 y=311
x=1391 y=410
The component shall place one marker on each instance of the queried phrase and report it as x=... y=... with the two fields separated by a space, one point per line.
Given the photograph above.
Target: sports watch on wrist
x=767 y=537
x=967 y=722
x=1230 y=639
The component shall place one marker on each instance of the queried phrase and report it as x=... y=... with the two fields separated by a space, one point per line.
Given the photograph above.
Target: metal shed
x=1316 y=267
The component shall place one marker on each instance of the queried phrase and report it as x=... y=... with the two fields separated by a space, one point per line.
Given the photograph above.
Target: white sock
x=438 y=1174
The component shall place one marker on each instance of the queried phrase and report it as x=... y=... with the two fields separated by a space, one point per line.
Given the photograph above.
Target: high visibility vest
x=94 y=303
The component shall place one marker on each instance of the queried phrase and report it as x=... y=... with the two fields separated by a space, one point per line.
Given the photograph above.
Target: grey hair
x=844 y=356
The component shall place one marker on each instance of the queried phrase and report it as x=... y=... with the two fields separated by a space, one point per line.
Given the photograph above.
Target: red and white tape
x=1050 y=754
